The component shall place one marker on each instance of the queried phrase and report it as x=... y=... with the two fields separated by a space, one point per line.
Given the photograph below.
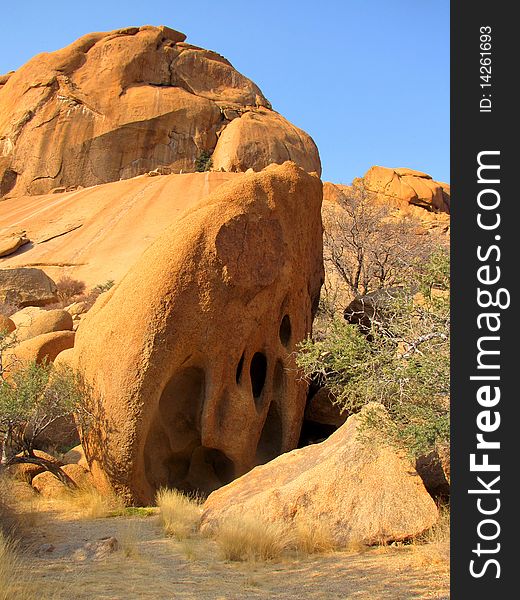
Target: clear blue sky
x=368 y=79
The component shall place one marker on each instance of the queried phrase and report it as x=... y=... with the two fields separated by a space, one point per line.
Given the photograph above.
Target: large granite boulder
x=199 y=389
x=118 y=104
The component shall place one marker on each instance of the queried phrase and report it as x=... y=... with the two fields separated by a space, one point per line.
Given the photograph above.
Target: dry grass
x=432 y=548
x=180 y=514
x=84 y=502
x=129 y=536
x=11 y=568
x=312 y=537
x=250 y=539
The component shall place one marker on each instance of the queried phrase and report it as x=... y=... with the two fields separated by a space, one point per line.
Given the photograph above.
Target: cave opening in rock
x=285 y=330
x=258 y=373
x=209 y=469
x=270 y=444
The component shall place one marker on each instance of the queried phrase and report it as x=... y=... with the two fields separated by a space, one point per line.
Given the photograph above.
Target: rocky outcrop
x=73 y=233
x=197 y=391
x=122 y=103
x=26 y=287
x=408 y=186
x=10 y=243
x=360 y=491
x=46 y=321
x=412 y=194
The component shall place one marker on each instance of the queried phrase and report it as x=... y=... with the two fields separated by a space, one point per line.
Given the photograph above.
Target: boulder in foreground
x=361 y=491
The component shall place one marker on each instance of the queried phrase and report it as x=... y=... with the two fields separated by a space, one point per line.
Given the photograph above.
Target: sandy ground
x=70 y=558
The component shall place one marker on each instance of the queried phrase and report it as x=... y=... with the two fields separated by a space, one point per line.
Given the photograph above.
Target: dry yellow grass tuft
x=251 y=539
x=129 y=536
x=433 y=546
x=180 y=514
x=312 y=537
x=12 y=583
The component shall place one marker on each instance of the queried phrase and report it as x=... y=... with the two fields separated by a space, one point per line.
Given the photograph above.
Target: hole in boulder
x=175 y=431
x=314 y=433
x=209 y=470
x=285 y=330
x=258 y=373
x=271 y=438
x=240 y=367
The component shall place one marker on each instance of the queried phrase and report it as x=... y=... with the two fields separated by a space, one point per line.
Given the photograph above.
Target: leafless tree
x=368 y=245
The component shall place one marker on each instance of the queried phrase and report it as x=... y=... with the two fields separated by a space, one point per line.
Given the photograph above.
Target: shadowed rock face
x=189 y=356
x=118 y=104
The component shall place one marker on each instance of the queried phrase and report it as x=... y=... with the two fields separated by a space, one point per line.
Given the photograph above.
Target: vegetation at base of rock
x=103 y=287
x=251 y=539
x=204 y=162
x=69 y=288
x=32 y=399
x=403 y=363
x=180 y=514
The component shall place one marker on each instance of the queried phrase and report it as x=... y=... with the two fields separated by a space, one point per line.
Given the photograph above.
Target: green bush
x=204 y=162
x=32 y=399
x=403 y=363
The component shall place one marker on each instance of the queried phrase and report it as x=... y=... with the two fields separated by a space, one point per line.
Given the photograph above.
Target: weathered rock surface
x=49 y=486
x=262 y=137
x=26 y=287
x=46 y=321
x=25 y=316
x=217 y=305
x=361 y=492
x=73 y=233
x=45 y=347
x=6 y=325
x=10 y=244
x=407 y=185
x=118 y=104
x=76 y=456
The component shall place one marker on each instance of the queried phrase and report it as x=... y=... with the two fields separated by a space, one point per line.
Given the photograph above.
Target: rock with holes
x=26 y=287
x=355 y=489
x=202 y=386
x=123 y=103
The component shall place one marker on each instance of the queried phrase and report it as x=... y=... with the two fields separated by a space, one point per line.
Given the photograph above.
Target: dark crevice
x=285 y=330
x=258 y=373
x=270 y=444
